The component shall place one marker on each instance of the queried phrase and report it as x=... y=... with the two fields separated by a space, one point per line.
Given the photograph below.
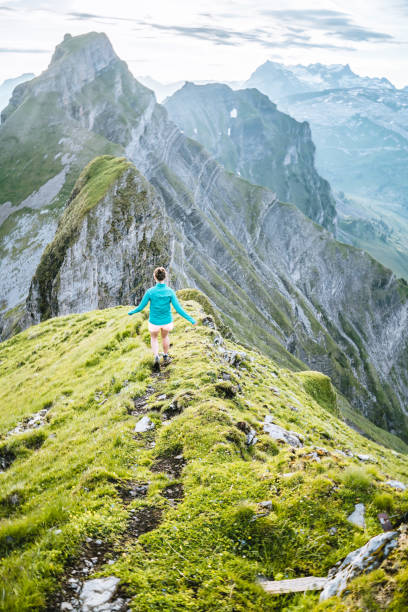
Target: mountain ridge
x=248 y=135
x=278 y=278
x=193 y=511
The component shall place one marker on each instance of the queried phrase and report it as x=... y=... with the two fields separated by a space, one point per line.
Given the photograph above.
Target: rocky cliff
x=248 y=135
x=85 y=104
x=282 y=282
x=109 y=238
x=305 y=294
x=7 y=87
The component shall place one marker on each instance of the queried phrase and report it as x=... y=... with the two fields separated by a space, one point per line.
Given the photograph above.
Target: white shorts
x=155 y=328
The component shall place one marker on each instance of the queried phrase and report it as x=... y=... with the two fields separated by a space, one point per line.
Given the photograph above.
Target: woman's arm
x=143 y=303
x=179 y=309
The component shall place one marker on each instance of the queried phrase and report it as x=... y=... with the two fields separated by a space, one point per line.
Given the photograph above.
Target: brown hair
x=159 y=274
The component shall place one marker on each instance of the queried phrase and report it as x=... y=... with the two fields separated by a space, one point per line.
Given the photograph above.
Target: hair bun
x=159 y=274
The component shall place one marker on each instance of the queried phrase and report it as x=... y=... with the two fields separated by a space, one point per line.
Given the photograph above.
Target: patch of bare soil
x=128 y=491
x=174 y=493
x=140 y=403
x=171 y=465
x=94 y=553
x=143 y=520
x=6 y=459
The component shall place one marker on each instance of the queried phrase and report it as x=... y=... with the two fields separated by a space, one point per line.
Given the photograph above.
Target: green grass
x=207 y=551
x=320 y=388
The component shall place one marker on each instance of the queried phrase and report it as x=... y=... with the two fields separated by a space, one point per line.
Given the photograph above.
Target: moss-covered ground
x=61 y=483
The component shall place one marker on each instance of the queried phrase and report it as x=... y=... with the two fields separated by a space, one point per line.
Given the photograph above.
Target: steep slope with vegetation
x=175 y=512
x=279 y=293
x=113 y=227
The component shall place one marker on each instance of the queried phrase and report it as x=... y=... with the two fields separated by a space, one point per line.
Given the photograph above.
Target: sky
x=212 y=39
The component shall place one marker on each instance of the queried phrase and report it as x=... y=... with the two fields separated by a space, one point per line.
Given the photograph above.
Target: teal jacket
x=160 y=297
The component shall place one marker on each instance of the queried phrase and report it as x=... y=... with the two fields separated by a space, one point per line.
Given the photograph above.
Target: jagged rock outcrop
x=363 y=560
x=282 y=282
x=110 y=236
x=248 y=135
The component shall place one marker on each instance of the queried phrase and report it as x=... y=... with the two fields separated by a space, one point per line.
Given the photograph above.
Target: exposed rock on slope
x=110 y=236
x=249 y=136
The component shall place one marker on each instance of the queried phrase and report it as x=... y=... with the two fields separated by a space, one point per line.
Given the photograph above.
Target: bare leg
x=154 y=341
x=165 y=340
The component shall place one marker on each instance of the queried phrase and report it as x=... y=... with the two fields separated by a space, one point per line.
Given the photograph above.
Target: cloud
x=10 y=50
x=221 y=36
x=360 y=34
x=335 y=23
x=6 y=8
x=84 y=16
x=217 y=35
x=92 y=17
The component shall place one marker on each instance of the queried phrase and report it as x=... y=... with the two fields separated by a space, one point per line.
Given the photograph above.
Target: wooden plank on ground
x=309 y=583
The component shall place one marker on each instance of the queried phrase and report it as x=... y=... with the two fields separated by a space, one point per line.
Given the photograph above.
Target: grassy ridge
x=64 y=478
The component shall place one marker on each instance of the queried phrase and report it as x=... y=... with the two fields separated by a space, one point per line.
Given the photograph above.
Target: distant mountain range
x=6 y=88
x=280 y=81
x=164 y=90
x=360 y=129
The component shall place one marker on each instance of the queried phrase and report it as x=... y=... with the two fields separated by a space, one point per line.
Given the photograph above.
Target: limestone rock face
x=360 y=129
x=104 y=259
x=248 y=135
x=85 y=104
x=364 y=559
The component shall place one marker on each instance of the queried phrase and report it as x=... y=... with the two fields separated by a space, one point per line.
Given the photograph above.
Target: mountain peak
x=94 y=47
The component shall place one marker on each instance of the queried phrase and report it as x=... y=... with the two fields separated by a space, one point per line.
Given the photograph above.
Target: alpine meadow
x=259 y=462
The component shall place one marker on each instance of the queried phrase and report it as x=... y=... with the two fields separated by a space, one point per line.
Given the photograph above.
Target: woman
x=160 y=317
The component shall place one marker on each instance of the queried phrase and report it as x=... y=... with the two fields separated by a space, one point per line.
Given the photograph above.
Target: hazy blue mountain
x=161 y=90
x=249 y=136
x=279 y=80
x=360 y=129
x=6 y=88
x=164 y=90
